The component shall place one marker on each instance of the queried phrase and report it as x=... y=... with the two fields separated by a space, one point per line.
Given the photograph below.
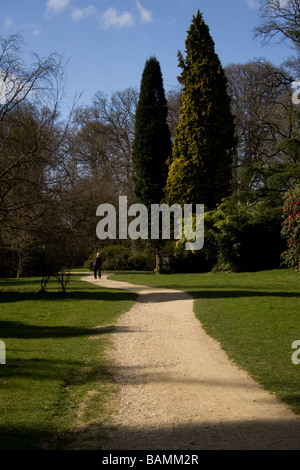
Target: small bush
x=120 y=257
x=291 y=229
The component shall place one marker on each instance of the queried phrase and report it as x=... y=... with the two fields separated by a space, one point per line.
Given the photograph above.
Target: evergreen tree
x=200 y=171
x=152 y=143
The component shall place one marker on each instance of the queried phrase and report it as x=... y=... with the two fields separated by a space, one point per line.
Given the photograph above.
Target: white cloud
x=252 y=4
x=81 y=13
x=9 y=23
x=12 y=86
x=172 y=21
x=113 y=18
x=36 y=30
x=56 y=6
x=145 y=15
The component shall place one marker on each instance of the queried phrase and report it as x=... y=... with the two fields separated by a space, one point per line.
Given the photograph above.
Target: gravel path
x=177 y=389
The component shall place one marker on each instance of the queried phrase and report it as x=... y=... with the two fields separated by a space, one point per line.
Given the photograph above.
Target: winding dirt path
x=177 y=389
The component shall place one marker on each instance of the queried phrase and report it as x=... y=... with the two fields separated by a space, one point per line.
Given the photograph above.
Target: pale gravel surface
x=177 y=389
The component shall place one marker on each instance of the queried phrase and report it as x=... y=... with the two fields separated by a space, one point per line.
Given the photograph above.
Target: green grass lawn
x=255 y=317
x=55 y=354
x=56 y=345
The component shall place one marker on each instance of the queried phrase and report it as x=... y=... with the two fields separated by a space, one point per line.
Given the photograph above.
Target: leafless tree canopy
x=54 y=173
x=280 y=21
x=262 y=106
x=280 y=18
x=104 y=139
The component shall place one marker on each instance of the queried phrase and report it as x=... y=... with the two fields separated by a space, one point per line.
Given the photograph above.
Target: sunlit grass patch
x=55 y=354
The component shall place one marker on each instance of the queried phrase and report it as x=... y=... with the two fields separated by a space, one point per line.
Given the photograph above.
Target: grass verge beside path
x=55 y=355
x=254 y=316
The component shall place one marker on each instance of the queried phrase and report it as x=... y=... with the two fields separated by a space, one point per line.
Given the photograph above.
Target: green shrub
x=121 y=257
x=291 y=229
x=247 y=235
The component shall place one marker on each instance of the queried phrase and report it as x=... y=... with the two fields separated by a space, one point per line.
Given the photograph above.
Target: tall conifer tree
x=200 y=171
x=152 y=143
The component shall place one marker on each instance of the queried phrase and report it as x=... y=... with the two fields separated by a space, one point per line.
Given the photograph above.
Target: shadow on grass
x=16 y=329
x=236 y=293
x=59 y=370
x=227 y=435
x=14 y=282
x=158 y=297
x=101 y=294
x=213 y=435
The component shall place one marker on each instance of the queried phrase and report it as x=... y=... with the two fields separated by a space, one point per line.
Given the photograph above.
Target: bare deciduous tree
x=280 y=20
x=174 y=106
x=280 y=17
x=30 y=143
x=104 y=139
x=262 y=106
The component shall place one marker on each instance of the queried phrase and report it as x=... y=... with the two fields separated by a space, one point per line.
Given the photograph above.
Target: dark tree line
x=201 y=167
x=150 y=146
x=54 y=174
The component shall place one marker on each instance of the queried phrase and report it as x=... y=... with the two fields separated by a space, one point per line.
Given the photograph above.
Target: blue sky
x=107 y=42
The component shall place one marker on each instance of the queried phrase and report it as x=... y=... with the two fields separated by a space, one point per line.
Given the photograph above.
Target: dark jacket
x=97 y=263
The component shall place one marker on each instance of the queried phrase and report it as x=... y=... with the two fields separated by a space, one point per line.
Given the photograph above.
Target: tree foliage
x=200 y=170
x=47 y=217
x=152 y=142
x=291 y=228
x=104 y=138
x=263 y=108
x=280 y=17
x=280 y=20
x=54 y=174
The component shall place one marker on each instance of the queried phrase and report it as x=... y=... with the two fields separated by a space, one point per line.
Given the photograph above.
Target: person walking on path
x=97 y=265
